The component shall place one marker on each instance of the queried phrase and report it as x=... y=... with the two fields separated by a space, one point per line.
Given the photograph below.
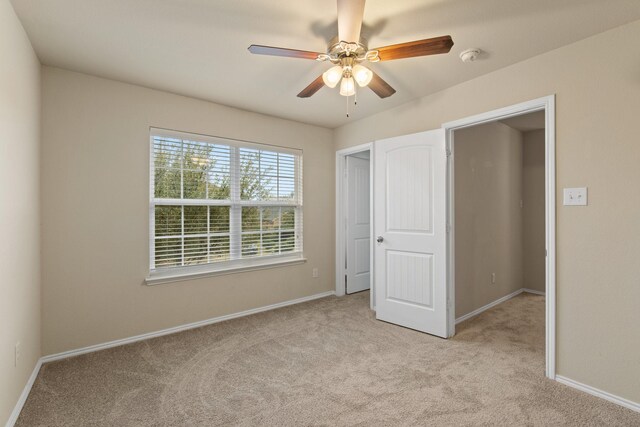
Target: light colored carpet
x=326 y=362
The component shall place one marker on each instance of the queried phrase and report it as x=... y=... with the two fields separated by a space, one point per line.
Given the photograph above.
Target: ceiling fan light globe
x=332 y=76
x=362 y=75
x=347 y=87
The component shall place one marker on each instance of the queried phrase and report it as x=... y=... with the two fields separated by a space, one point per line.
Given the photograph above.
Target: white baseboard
x=23 y=396
x=71 y=353
x=496 y=302
x=27 y=388
x=168 y=331
x=488 y=306
x=599 y=393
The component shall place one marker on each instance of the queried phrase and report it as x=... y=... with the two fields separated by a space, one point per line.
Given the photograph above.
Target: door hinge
x=448 y=228
x=448 y=152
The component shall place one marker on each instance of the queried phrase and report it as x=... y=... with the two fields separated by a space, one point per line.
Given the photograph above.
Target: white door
x=358 y=225
x=410 y=230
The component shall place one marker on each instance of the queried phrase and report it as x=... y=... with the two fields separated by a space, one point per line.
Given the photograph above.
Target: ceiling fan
x=348 y=51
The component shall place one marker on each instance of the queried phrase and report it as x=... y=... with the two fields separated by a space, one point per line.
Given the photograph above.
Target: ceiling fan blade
x=425 y=47
x=380 y=87
x=350 y=13
x=281 y=51
x=315 y=86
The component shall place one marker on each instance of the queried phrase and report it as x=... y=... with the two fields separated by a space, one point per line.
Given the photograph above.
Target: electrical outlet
x=314 y=273
x=493 y=278
x=17 y=353
x=575 y=196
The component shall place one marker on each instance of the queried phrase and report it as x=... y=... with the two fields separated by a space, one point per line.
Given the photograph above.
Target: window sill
x=173 y=276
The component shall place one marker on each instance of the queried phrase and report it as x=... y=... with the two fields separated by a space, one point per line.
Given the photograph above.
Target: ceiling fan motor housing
x=338 y=50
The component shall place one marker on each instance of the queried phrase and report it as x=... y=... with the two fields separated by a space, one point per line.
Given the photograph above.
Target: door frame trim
x=341 y=207
x=547 y=104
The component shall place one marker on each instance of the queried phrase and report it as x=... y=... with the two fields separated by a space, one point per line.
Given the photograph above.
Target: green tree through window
x=199 y=218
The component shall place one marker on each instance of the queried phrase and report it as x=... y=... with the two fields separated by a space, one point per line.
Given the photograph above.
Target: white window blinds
x=218 y=202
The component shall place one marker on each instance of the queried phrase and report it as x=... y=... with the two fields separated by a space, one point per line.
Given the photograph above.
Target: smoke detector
x=470 y=55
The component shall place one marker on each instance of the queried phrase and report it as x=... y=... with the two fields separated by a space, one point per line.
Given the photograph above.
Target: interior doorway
x=499 y=199
x=354 y=220
x=501 y=212
x=414 y=210
x=358 y=224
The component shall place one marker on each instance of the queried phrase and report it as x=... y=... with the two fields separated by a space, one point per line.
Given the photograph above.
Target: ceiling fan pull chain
x=347 y=106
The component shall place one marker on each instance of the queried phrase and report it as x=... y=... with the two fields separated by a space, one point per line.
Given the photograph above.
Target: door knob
x=380 y=239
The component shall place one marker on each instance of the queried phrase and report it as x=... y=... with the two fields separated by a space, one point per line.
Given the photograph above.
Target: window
x=218 y=204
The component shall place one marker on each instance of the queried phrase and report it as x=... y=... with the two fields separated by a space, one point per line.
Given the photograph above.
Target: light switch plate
x=575 y=196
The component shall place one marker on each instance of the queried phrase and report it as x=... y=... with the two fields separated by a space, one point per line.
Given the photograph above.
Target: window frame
x=236 y=263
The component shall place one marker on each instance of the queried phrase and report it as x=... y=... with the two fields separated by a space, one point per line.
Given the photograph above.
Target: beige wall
x=95 y=192
x=533 y=212
x=597 y=87
x=19 y=208
x=488 y=190
x=497 y=167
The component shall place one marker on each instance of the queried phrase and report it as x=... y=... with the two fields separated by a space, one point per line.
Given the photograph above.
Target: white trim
x=533 y=291
x=192 y=273
x=500 y=114
x=236 y=261
x=488 y=306
x=634 y=406
x=451 y=232
x=152 y=217
x=175 y=329
x=341 y=165
x=53 y=357
x=496 y=302
x=546 y=104
x=97 y=347
x=23 y=396
x=220 y=140
x=550 y=238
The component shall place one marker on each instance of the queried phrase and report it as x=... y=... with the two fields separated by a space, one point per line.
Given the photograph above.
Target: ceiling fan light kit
x=347 y=72
x=332 y=76
x=348 y=51
x=362 y=75
x=347 y=87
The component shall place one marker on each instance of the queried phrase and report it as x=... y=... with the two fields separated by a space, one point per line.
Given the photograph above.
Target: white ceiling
x=199 y=47
x=526 y=122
